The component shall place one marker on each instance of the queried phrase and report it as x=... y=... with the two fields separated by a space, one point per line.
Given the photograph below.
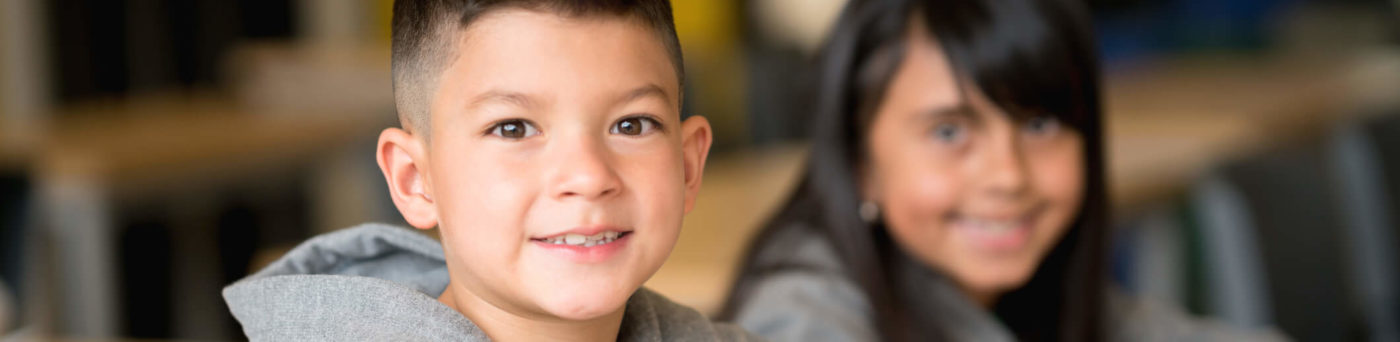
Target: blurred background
x=152 y=151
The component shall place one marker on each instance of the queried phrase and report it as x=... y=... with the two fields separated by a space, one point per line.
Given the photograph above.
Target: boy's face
x=558 y=168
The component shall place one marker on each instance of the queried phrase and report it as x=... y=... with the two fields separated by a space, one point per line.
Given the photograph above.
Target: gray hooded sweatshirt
x=814 y=301
x=380 y=283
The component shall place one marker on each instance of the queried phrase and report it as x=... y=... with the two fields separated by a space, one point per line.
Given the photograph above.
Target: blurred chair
x=1286 y=201
x=1381 y=135
x=1365 y=157
x=1231 y=277
x=14 y=204
x=1149 y=255
x=1301 y=238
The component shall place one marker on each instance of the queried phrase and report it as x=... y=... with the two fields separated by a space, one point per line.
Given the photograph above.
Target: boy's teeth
x=582 y=240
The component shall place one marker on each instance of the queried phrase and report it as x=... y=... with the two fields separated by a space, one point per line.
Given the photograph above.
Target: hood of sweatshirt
x=380 y=282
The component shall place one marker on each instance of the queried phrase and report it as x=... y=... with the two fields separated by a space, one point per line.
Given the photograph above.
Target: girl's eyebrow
x=957 y=109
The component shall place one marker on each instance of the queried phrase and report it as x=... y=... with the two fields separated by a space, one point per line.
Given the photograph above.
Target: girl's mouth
x=995 y=233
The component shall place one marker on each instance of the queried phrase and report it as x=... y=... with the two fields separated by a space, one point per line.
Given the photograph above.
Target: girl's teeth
x=992 y=226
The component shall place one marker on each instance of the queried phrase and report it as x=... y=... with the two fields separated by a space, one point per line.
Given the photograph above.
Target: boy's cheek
x=477 y=194
x=659 y=179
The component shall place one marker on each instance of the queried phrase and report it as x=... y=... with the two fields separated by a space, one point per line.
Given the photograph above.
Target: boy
x=544 y=138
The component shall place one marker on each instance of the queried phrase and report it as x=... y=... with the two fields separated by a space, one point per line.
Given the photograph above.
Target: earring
x=869 y=211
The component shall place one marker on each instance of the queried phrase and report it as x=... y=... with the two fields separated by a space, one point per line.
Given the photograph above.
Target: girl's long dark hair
x=1030 y=57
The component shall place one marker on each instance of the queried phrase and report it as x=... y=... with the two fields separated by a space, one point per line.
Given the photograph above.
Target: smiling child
x=545 y=140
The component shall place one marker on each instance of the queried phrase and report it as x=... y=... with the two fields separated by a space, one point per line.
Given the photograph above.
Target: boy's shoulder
x=343 y=308
x=370 y=282
x=372 y=250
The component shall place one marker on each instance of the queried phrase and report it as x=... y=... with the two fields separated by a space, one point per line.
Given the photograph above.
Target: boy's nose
x=583 y=170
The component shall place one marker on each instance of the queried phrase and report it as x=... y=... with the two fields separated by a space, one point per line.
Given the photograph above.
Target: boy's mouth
x=575 y=239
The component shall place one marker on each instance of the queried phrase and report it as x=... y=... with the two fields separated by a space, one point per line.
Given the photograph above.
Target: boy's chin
x=579 y=293
x=584 y=305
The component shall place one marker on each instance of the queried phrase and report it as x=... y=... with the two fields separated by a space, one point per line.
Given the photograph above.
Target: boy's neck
x=502 y=325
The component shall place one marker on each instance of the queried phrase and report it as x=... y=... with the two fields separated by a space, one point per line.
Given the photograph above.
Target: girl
x=955 y=187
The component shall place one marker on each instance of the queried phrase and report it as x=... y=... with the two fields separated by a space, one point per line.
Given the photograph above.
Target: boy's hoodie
x=380 y=283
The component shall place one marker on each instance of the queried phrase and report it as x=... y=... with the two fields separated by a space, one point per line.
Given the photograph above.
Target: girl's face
x=961 y=185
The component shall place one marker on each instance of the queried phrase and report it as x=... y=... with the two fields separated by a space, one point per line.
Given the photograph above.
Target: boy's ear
x=695 y=147
x=404 y=161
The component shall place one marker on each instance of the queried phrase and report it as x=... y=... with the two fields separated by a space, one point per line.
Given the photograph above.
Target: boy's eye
x=634 y=126
x=1042 y=125
x=514 y=129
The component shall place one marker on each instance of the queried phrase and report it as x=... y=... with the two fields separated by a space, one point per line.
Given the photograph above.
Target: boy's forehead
x=534 y=100
x=517 y=56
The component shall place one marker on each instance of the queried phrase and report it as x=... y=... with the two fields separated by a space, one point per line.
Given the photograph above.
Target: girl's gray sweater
x=813 y=301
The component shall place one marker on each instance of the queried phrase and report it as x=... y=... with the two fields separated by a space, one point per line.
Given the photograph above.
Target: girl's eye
x=949 y=132
x=635 y=126
x=1042 y=125
x=514 y=129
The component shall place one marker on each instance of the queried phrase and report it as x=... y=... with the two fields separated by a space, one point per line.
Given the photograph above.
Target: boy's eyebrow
x=524 y=100
x=644 y=91
x=516 y=98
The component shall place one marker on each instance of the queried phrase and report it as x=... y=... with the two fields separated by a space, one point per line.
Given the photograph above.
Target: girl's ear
x=695 y=147
x=404 y=161
x=866 y=181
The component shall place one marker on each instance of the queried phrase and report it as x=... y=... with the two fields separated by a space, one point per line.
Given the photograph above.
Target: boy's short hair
x=424 y=33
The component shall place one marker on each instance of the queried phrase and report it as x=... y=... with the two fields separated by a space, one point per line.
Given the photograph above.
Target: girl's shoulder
x=651 y=316
x=804 y=295
x=798 y=247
